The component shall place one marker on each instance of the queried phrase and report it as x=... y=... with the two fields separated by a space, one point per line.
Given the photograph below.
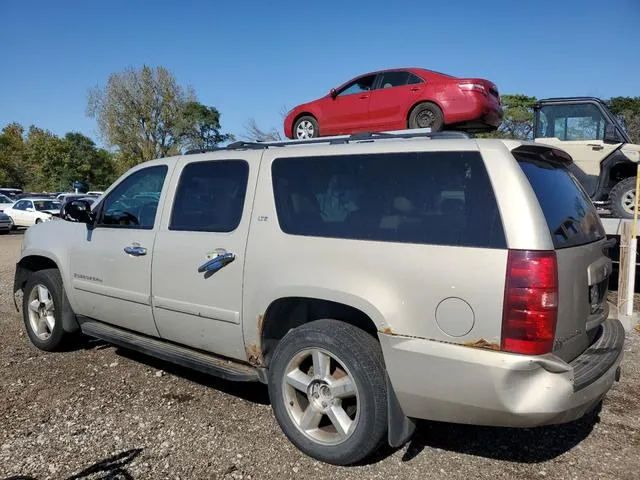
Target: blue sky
x=251 y=58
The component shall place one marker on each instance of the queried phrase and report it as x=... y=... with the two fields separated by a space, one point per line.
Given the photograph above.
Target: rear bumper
x=453 y=383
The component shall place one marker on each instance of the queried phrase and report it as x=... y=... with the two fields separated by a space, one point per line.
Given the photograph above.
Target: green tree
x=628 y=109
x=138 y=110
x=12 y=156
x=198 y=127
x=517 y=122
x=86 y=163
x=46 y=156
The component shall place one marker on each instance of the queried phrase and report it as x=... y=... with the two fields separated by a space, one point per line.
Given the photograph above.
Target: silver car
x=368 y=280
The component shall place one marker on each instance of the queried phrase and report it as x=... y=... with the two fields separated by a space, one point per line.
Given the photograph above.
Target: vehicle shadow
x=111 y=468
x=251 y=391
x=522 y=445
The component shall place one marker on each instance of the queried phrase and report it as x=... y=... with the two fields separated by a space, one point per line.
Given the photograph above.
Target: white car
x=5 y=202
x=30 y=211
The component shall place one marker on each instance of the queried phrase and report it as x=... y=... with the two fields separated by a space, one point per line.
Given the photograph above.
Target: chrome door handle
x=135 y=251
x=216 y=263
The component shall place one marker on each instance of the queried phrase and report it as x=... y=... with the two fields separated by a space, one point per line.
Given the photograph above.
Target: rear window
x=570 y=215
x=440 y=198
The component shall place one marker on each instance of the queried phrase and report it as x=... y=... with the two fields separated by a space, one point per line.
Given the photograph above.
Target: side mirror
x=78 y=211
x=611 y=134
x=333 y=93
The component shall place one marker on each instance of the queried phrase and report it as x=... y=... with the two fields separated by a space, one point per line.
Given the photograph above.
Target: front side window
x=571 y=122
x=5 y=199
x=363 y=84
x=21 y=205
x=393 y=79
x=134 y=202
x=210 y=196
x=439 y=198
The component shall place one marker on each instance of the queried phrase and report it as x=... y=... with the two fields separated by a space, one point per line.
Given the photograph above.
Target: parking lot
x=101 y=412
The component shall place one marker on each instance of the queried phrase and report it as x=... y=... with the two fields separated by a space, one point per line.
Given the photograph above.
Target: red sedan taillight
x=472 y=86
x=530 y=302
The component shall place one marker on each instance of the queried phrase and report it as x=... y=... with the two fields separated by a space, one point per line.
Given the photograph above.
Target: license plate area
x=598 y=296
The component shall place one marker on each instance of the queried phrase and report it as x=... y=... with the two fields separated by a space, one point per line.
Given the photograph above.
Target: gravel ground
x=102 y=412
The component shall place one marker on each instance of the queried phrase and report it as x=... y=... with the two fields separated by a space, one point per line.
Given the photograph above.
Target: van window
x=439 y=198
x=570 y=215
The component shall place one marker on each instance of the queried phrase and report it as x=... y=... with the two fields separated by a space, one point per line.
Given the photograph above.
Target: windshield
x=5 y=199
x=571 y=217
x=46 y=205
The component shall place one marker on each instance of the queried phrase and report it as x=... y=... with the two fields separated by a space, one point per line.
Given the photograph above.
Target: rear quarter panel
x=399 y=286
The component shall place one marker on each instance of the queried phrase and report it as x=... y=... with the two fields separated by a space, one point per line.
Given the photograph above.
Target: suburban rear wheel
x=306 y=127
x=426 y=115
x=622 y=198
x=328 y=391
x=42 y=307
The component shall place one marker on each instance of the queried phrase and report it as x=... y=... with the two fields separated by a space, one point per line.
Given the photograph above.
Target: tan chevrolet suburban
x=369 y=280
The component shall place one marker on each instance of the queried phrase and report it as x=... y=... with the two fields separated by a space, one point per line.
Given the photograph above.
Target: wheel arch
x=35 y=262
x=613 y=169
x=288 y=312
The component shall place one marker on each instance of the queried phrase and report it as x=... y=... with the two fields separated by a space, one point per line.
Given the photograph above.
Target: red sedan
x=398 y=99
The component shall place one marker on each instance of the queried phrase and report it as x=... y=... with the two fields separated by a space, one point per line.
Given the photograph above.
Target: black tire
x=620 y=196
x=38 y=221
x=360 y=353
x=314 y=125
x=426 y=115
x=52 y=280
x=4 y=232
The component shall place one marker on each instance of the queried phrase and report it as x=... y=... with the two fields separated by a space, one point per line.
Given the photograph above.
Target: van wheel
x=306 y=127
x=622 y=198
x=426 y=115
x=328 y=391
x=42 y=309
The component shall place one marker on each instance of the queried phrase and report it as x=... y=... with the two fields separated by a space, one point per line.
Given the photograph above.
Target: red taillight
x=530 y=302
x=477 y=87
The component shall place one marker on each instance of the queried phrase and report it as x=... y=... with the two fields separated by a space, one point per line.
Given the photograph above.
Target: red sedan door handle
x=363 y=97
x=415 y=89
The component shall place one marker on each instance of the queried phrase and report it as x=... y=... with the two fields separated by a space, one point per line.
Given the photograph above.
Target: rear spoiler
x=544 y=153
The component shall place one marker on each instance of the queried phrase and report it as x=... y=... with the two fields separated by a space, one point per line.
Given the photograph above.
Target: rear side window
x=570 y=215
x=439 y=198
x=210 y=196
x=393 y=79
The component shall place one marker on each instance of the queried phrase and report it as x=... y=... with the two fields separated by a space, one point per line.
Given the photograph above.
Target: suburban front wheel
x=42 y=309
x=622 y=198
x=306 y=127
x=328 y=391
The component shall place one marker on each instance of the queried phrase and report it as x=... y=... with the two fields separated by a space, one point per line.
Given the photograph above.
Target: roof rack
x=341 y=139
